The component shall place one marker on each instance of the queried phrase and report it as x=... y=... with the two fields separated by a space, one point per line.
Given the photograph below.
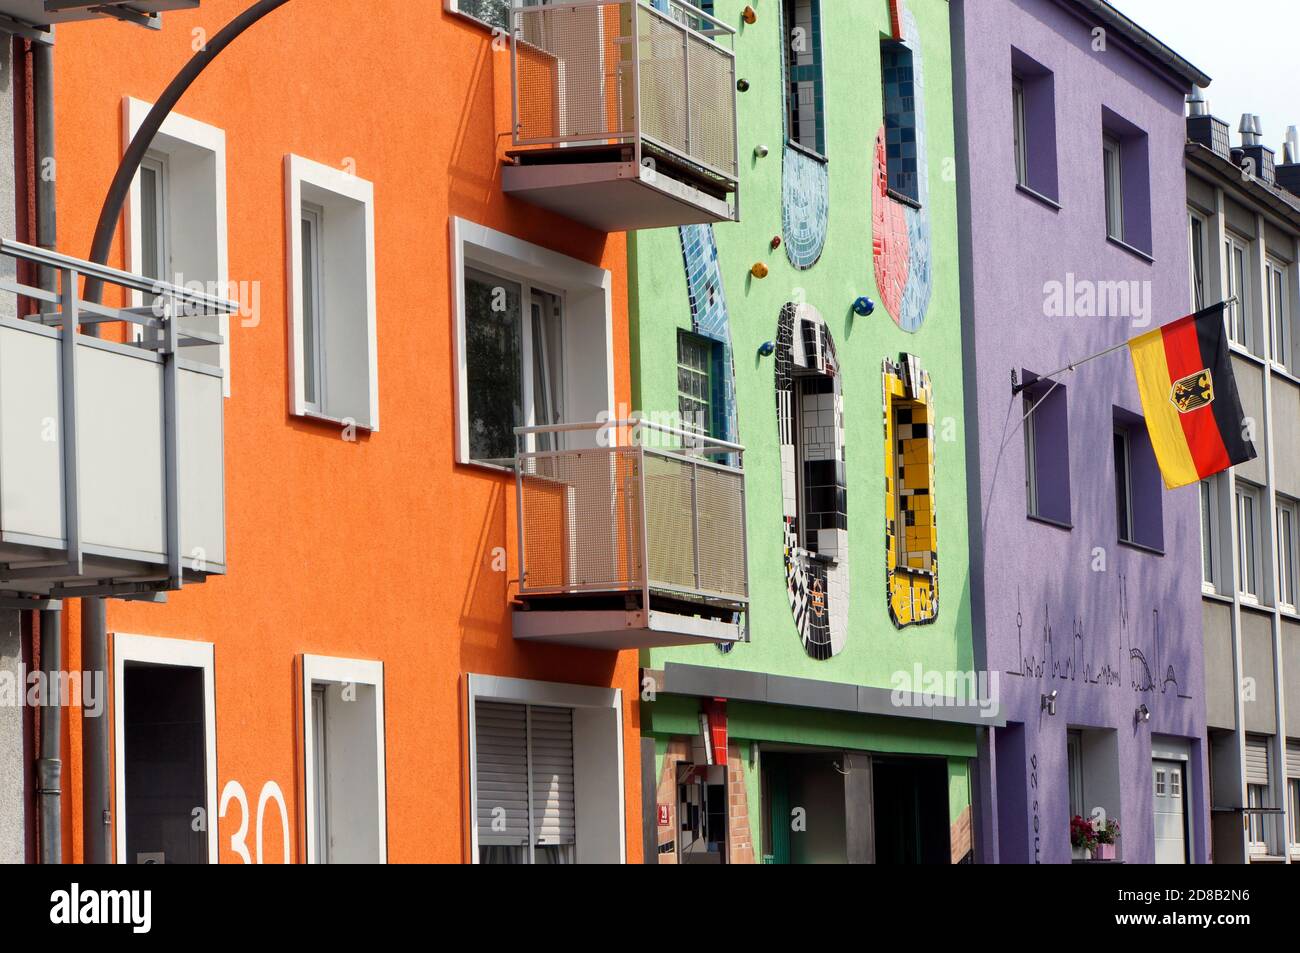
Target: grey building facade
x=1244 y=241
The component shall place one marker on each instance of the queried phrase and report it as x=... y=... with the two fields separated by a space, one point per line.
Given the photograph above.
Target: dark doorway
x=911 y=810
x=164 y=759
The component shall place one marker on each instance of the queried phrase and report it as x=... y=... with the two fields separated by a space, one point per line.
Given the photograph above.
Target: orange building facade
x=371 y=554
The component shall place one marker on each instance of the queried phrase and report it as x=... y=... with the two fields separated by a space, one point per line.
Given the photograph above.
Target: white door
x=1170 y=811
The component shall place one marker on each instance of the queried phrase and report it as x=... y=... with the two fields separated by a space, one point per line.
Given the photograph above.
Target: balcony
x=111 y=451
x=624 y=113
x=627 y=541
x=32 y=19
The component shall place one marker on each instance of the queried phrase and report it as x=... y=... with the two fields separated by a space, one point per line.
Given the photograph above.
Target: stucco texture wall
x=381 y=548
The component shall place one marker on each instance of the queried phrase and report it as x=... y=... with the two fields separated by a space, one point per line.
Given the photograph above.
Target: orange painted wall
x=377 y=549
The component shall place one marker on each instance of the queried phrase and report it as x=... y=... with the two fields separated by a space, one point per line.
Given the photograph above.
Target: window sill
x=1131 y=249
x=1246 y=353
x=336 y=421
x=810 y=153
x=1141 y=547
x=902 y=199
x=1038 y=197
x=454 y=9
x=1285 y=373
x=1214 y=595
x=488 y=466
x=1048 y=521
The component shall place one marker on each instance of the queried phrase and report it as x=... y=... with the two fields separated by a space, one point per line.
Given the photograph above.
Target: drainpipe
x=96 y=819
x=49 y=768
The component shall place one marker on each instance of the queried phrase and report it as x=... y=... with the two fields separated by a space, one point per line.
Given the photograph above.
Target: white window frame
x=1293 y=810
x=1211 y=497
x=299 y=172
x=1288 y=577
x=1249 y=549
x=180 y=130
x=315 y=270
x=1241 y=327
x=320 y=669
x=1197 y=288
x=1256 y=796
x=1113 y=185
x=1074 y=772
x=476 y=247
x=157 y=164
x=1277 y=279
x=160 y=651
x=521 y=691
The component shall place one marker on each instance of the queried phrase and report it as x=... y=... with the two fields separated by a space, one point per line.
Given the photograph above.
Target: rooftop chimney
x=1204 y=128
x=1288 y=173
x=1254 y=151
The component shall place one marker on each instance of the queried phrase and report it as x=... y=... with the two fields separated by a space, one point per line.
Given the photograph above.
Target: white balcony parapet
x=624 y=113
x=111 y=453
x=631 y=535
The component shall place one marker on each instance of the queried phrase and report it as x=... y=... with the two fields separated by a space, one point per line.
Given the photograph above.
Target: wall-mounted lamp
x=767 y=349
x=1143 y=714
x=1048 y=703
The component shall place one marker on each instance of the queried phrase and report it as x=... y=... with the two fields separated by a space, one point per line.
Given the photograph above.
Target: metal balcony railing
x=658 y=75
x=648 y=508
x=111 y=451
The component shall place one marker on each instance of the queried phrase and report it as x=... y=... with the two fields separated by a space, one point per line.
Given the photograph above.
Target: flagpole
x=1018 y=386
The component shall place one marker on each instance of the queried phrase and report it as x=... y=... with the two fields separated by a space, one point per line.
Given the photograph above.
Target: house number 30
x=234 y=791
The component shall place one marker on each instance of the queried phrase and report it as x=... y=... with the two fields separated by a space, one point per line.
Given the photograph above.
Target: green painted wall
x=875 y=650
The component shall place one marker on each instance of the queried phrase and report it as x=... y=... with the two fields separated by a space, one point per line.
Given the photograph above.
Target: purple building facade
x=1085 y=583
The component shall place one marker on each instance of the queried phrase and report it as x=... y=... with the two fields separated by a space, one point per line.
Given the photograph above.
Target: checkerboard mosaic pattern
x=810 y=420
x=911 y=529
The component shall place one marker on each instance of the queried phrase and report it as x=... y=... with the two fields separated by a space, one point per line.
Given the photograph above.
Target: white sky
x=1248 y=47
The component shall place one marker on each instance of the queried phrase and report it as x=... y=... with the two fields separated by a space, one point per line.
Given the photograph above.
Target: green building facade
x=822 y=332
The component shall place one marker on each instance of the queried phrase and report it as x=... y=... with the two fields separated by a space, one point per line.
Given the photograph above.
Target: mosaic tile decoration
x=805 y=207
x=805 y=181
x=911 y=528
x=710 y=319
x=810 y=413
x=900 y=233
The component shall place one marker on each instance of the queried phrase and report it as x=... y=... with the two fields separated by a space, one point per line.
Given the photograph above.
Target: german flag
x=1189 y=395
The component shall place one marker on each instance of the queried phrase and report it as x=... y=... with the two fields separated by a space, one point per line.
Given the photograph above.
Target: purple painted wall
x=1108 y=636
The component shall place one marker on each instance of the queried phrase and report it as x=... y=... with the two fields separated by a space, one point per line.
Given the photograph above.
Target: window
x=898 y=86
x=1257 y=797
x=1074 y=760
x=154 y=252
x=533 y=337
x=1288 y=511
x=1279 y=312
x=1018 y=123
x=495 y=13
x=1237 y=261
x=1126 y=179
x=1138 y=486
x=1196 y=257
x=1123 y=491
x=1248 y=537
x=1114 y=188
x=1047 y=451
x=1211 y=535
x=176 y=220
x=1293 y=799
x=164 y=742
x=546 y=772
x=805 y=99
x=343 y=743
x=1162 y=782
x=1033 y=116
x=331 y=225
x=694 y=382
